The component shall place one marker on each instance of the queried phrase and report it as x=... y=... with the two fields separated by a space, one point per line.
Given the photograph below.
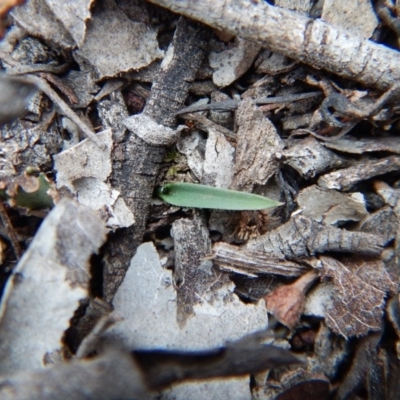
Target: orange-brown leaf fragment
x=360 y=288
x=286 y=302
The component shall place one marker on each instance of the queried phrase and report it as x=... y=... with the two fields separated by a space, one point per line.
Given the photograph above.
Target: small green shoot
x=200 y=196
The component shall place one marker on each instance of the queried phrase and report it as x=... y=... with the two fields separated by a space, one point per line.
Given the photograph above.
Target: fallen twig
x=312 y=42
x=230 y=105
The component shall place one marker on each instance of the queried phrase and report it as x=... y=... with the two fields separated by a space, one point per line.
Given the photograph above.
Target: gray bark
x=312 y=42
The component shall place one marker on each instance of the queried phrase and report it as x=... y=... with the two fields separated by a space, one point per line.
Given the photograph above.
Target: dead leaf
x=147 y=300
x=286 y=303
x=360 y=288
x=38 y=19
x=114 y=44
x=47 y=285
x=84 y=170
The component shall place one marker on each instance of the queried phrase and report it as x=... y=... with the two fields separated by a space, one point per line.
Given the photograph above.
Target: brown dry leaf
x=360 y=288
x=286 y=302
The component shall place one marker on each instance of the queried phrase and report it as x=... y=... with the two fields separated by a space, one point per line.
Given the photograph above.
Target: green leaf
x=201 y=196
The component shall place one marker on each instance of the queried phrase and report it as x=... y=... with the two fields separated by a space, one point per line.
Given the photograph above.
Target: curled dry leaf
x=286 y=303
x=360 y=288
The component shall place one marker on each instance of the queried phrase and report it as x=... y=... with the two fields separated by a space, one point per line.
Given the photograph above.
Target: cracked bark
x=136 y=163
x=312 y=42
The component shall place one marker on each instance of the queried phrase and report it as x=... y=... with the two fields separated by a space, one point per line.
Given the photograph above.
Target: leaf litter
x=325 y=262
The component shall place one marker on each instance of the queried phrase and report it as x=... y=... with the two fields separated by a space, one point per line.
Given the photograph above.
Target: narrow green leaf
x=201 y=196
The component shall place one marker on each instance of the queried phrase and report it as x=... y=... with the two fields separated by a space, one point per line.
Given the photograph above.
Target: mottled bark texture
x=136 y=163
x=312 y=42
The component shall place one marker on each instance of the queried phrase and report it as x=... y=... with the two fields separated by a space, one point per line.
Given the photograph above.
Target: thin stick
x=47 y=89
x=68 y=112
x=230 y=105
x=313 y=42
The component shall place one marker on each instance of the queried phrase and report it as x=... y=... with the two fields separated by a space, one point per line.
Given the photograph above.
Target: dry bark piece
x=237 y=259
x=218 y=161
x=286 y=303
x=353 y=145
x=383 y=222
x=257 y=143
x=113 y=112
x=233 y=62
x=47 y=285
x=312 y=42
x=270 y=63
x=330 y=206
x=302 y=237
x=136 y=163
x=360 y=288
x=83 y=86
x=113 y=43
x=345 y=179
x=310 y=158
x=358 y=17
x=84 y=160
x=193 y=276
x=152 y=132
